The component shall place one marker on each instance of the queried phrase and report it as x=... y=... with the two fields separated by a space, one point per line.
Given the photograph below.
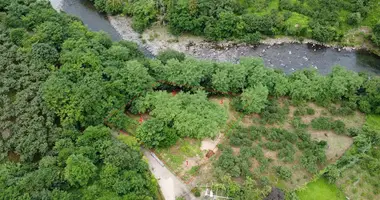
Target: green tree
x=323 y=34
x=376 y=34
x=253 y=100
x=166 y=55
x=154 y=133
x=79 y=170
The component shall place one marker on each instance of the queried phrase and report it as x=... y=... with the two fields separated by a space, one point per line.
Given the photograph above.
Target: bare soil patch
x=336 y=144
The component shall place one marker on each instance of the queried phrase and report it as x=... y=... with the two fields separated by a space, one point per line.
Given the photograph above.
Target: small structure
x=209 y=153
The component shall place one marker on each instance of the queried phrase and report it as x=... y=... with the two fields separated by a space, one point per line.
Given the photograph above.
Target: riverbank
x=157 y=38
x=285 y=53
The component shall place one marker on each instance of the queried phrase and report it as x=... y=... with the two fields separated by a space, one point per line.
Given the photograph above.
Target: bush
x=322 y=123
x=45 y=53
x=324 y=34
x=274 y=113
x=376 y=34
x=339 y=127
x=17 y=35
x=354 y=18
x=252 y=38
x=310 y=111
x=166 y=55
x=283 y=172
x=344 y=110
x=196 y=191
x=117 y=119
x=325 y=123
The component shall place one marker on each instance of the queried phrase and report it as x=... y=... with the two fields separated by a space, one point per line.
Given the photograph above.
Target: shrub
x=323 y=34
x=283 y=172
x=130 y=141
x=297 y=123
x=17 y=35
x=166 y=55
x=354 y=18
x=376 y=34
x=310 y=111
x=252 y=38
x=274 y=113
x=117 y=119
x=339 y=127
x=45 y=53
x=342 y=111
x=325 y=123
x=322 y=123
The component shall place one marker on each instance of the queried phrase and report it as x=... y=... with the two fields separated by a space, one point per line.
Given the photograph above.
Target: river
x=288 y=57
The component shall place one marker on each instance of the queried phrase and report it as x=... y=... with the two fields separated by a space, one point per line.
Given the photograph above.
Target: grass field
x=321 y=190
x=373 y=122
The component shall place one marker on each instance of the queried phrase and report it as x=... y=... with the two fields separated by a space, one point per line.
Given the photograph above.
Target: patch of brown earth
x=336 y=144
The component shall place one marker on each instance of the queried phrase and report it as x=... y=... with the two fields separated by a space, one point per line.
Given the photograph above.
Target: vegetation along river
x=288 y=57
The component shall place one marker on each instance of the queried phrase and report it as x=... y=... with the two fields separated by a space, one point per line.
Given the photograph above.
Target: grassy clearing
x=373 y=122
x=176 y=156
x=321 y=190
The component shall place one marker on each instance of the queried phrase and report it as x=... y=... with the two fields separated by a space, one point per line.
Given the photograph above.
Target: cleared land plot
x=321 y=190
x=337 y=144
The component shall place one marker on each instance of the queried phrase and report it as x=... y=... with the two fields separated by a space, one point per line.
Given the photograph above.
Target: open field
x=320 y=190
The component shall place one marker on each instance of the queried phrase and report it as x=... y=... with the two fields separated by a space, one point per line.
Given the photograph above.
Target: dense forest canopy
x=247 y=20
x=58 y=81
x=65 y=91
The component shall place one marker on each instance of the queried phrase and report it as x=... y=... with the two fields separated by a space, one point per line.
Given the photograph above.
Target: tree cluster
x=58 y=82
x=88 y=165
x=246 y=20
x=182 y=115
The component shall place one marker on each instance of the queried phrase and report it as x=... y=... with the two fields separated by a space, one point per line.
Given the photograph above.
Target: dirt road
x=171 y=186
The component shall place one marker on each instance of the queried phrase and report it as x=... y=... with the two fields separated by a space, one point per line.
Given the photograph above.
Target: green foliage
x=144 y=13
x=56 y=79
x=283 y=172
x=324 y=34
x=274 y=113
x=164 y=56
x=325 y=123
x=130 y=141
x=354 y=18
x=119 y=120
x=17 y=35
x=373 y=122
x=45 y=53
x=247 y=20
x=321 y=189
x=376 y=34
x=154 y=133
x=190 y=115
x=253 y=100
x=253 y=38
x=298 y=123
x=301 y=111
x=79 y=170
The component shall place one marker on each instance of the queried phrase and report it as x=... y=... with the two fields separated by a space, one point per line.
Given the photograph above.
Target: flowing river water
x=288 y=57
